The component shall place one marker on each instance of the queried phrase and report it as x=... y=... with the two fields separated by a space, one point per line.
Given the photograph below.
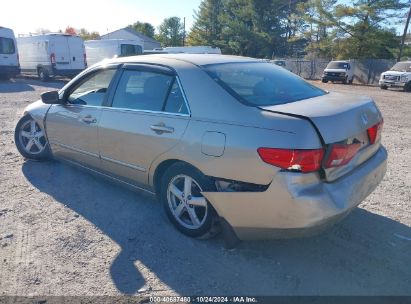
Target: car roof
x=196 y=59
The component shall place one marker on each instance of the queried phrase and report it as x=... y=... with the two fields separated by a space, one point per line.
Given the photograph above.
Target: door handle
x=161 y=128
x=89 y=119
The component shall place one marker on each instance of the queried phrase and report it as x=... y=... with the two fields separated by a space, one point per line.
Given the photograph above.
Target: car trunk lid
x=339 y=119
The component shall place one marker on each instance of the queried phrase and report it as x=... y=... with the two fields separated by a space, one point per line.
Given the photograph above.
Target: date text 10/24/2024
x=200 y=299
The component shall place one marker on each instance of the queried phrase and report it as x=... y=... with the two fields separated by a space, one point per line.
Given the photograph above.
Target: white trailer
x=98 y=50
x=9 y=58
x=51 y=55
x=191 y=50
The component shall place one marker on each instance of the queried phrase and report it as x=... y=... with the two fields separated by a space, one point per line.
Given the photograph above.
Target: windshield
x=130 y=50
x=338 y=65
x=262 y=84
x=402 y=67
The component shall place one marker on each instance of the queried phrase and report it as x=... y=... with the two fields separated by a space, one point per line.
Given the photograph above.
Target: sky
x=25 y=16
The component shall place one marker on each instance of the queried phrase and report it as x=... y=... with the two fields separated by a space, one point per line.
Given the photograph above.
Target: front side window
x=149 y=91
x=92 y=91
x=7 y=46
x=261 y=84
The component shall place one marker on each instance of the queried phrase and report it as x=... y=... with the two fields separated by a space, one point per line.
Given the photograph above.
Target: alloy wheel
x=32 y=138
x=186 y=203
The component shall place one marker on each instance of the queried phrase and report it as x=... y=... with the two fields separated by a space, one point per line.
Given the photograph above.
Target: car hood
x=336 y=116
x=395 y=73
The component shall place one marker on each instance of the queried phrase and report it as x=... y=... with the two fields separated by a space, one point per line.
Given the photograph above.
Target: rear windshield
x=7 y=46
x=338 y=65
x=131 y=50
x=402 y=67
x=262 y=84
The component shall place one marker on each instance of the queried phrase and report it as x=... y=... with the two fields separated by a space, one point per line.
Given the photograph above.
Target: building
x=130 y=34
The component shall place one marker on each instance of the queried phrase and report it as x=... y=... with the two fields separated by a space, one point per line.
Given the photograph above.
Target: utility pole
x=404 y=35
x=184 y=35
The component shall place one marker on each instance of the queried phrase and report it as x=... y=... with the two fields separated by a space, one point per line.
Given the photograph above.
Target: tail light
x=374 y=133
x=53 y=58
x=341 y=154
x=300 y=160
x=85 y=60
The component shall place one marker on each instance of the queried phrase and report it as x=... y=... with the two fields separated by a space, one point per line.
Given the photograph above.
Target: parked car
x=398 y=77
x=98 y=50
x=9 y=58
x=219 y=139
x=52 y=55
x=339 y=71
x=279 y=62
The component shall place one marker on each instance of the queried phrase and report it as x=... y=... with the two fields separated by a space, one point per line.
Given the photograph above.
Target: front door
x=72 y=128
x=149 y=115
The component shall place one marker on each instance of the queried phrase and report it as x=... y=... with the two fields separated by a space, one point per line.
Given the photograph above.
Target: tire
x=43 y=75
x=31 y=140
x=345 y=81
x=383 y=87
x=180 y=185
x=407 y=87
x=351 y=81
x=324 y=81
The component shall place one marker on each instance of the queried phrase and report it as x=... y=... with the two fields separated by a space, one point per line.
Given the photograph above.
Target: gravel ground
x=65 y=232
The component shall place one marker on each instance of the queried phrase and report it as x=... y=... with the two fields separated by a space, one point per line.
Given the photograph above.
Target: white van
x=52 y=55
x=339 y=71
x=9 y=58
x=191 y=50
x=98 y=50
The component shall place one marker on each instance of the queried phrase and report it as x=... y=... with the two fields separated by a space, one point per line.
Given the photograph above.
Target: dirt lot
x=65 y=232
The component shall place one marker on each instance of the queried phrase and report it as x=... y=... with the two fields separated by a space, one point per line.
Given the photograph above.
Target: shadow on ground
x=26 y=85
x=366 y=254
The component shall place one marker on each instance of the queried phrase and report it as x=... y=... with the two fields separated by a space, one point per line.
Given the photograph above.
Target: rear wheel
x=407 y=87
x=30 y=139
x=324 y=80
x=186 y=207
x=383 y=87
x=43 y=74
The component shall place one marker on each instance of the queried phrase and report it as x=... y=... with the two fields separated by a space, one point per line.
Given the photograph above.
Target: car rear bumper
x=9 y=70
x=298 y=204
x=66 y=72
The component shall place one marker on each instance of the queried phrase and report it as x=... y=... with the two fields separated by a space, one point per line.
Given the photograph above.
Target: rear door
x=148 y=116
x=72 y=128
x=76 y=51
x=60 y=48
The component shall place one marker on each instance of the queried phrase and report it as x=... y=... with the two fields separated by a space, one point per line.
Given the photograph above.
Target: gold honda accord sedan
x=219 y=139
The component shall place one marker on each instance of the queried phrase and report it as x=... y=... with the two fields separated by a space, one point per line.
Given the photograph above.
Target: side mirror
x=51 y=97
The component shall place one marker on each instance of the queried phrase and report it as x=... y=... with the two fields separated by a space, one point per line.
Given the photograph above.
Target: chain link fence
x=366 y=71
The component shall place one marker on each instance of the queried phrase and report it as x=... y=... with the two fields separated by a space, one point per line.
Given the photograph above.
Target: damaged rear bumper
x=298 y=204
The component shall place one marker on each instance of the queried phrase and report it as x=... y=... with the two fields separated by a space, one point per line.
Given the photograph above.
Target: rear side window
x=7 y=46
x=262 y=84
x=131 y=50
